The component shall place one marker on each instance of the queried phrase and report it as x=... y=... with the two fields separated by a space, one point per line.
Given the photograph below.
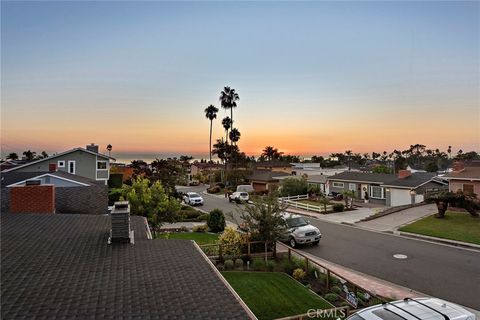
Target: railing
x=221 y=252
x=331 y=278
x=293 y=201
x=299 y=197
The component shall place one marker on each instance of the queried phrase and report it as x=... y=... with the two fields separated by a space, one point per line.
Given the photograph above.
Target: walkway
x=339 y=217
x=396 y=220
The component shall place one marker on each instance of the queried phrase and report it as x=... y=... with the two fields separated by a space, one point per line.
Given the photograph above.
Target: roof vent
x=33 y=182
x=120 y=217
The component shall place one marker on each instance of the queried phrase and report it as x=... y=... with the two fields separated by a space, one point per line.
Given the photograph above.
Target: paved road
x=442 y=271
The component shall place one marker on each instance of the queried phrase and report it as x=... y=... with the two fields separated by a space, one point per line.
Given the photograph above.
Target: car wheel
x=315 y=243
x=292 y=242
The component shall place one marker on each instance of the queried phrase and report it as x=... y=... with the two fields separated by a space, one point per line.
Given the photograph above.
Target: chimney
x=32 y=198
x=92 y=147
x=458 y=166
x=120 y=218
x=402 y=174
x=52 y=167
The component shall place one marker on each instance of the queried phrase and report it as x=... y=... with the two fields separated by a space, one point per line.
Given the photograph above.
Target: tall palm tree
x=12 y=156
x=228 y=99
x=109 y=149
x=210 y=114
x=271 y=153
x=234 y=135
x=227 y=124
x=30 y=155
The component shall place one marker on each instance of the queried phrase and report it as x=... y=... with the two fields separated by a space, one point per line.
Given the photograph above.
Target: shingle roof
x=414 y=180
x=362 y=177
x=467 y=173
x=11 y=177
x=266 y=175
x=318 y=178
x=61 y=267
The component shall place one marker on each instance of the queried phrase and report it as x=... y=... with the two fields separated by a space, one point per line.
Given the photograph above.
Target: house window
x=338 y=185
x=468 y=188
x=61 y=164
x=71 y=167
x=377 y=192
x=101 y=165
x=352 y=186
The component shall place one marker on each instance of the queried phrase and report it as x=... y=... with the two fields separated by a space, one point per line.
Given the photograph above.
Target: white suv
x=298 y=230
x=414 y=309
x=238 y=197
x=193 y=199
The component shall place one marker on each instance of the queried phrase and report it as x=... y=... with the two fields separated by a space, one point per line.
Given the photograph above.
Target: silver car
x=193 y=199
x=299 y=231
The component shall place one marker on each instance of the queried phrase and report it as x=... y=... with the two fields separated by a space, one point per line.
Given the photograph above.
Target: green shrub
x=311 y=272
x=203 y=217
x=338 y=207
x=293 y=187
x=114 y=196
x=229 y=264
x=200 y=228
x=216 y=221
x=287 y=266
x=258 y=265
x=238 y=263
x=331 y=297
x=115 y=180
x=231 y=241
x=270 y=265
x=189 y=214
x=336 y=289
x=214 y=189
x=299 y=274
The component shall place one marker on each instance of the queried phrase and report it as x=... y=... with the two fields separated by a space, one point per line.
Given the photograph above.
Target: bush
x=288 y=266
x=258 y=265
x=115 y=180
x=270 y=265
x=200 y=228
x=189 y=214
x=216 y=221
x=293 y=187
x=215 y=189
x=336 y=289
x=229 y=264
x=238 y=263
x=338 y=207
x=232 y=242
x=203 y=217
x=311 y=272
x=299 y=274
x=114 y=196
x=331 y=297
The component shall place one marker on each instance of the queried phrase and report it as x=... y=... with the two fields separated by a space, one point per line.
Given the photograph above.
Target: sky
x=313 y=77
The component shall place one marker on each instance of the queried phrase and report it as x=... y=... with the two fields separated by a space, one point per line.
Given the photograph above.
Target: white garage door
x=400 y=197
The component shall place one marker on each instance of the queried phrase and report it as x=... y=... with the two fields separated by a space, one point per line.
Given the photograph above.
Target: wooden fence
x=221 y=252
x=294 y=201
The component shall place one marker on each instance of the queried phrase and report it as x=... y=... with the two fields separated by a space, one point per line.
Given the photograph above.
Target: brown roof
x=266 y=175
x=467 y=173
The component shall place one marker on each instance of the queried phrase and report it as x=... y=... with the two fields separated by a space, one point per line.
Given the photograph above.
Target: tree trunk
x=211 y=121
x=442 y=207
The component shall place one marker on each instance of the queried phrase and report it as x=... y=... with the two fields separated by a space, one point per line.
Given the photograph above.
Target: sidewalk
x=338 y=217
x=392 y=222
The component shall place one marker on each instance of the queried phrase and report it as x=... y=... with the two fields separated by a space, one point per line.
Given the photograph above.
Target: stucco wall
x=456 y=185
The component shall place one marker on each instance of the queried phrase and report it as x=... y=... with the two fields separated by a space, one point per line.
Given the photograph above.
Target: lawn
x=199 y=237
x=455 y=226
x=272 y=295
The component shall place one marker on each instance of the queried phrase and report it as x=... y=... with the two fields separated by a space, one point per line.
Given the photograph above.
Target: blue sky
x=313 y=77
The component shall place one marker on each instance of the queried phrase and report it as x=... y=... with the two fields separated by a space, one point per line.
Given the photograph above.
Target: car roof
x=192 y=193
x=287 y=215
x=415 y=309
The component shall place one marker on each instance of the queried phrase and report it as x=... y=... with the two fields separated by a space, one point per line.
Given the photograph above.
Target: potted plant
x=366 y=197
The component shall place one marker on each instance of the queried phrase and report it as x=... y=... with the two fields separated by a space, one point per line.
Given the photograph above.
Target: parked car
x=335 y=196
x=414 y=309
x=238 y=197
x=194 y=183
x=298 y=230
x=193 y=199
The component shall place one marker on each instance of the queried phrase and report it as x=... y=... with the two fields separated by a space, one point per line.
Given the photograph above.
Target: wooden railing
x=294 y=201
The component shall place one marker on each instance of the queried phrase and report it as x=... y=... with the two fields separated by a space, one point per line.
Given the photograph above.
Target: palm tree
x=227 y=124
x=12 y=156
x=449 y=152
x=349 y=153
x=234 y=135
x=109 y=149
x=228 y=99
x=325 y=202
x=271 y=153
x=29 y=155
x=210 y=114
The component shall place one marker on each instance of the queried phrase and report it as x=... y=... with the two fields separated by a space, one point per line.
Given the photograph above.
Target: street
x=442 y=271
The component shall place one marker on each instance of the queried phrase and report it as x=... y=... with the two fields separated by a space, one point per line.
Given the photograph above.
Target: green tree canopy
x=293 y=187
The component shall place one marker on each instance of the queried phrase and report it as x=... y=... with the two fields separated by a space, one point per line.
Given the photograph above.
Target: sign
x=352 y=299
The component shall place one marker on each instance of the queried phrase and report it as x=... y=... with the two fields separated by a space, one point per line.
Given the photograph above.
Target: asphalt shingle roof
x=362 y=177
x=8 y=178
x=467 y=173
x=266 y=175
x=61 y=267
x=413 y=180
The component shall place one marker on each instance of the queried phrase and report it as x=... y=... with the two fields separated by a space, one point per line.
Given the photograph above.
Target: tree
x=220 y=149
x=228 y=100
x=30 y=155
x=348 y=154
x=216 y=221
x=43 y=155
x=271 y=153
x=263 y=219
x=227 y=124
x=449 y=151
x=210 y=114
x=348 y=197
x=325 y=202
x=293 y=187
x=150 y=200
x=234 y=135
x=458 y=199
x=431 y=167
x=381 y=169
x=12 y=156
x=109 y=149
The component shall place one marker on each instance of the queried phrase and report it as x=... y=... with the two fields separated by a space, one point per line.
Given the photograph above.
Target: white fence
x=293 y=201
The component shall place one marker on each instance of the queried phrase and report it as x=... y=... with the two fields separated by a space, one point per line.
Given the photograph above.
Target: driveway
x=396 y=220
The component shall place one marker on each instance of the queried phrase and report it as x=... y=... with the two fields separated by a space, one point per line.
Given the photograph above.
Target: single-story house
x=309 y=169
x=88 y=163
x=266 y=180
x=320 y=181
x=59 y=266
x=464 y=177
x=387 y=189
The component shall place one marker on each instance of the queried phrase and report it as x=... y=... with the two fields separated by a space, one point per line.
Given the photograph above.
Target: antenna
x=423 y=304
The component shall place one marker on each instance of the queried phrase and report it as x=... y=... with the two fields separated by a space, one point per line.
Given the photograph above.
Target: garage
x=400 y=197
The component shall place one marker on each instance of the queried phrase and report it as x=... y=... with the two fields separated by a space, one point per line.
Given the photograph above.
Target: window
x=468 y=188
x=377 y=192
x=71 y=166
x=338 y=185
x=61 y=164
x=352 y=187
x=101 y=165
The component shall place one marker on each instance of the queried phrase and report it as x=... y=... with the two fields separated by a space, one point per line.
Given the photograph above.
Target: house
x=465 y=176
x=320 y=181
x=63 y=267
x=386 y=189
x=275 y=166
x=54 y=191
x=264 y=181
x=86 y=162
x=309 y=169
x=203 y=169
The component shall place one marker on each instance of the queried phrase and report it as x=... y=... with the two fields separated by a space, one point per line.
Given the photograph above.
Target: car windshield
x=296 y=222
x=194 y=195
x=243 y=194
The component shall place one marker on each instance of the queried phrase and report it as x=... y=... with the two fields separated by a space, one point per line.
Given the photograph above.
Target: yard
x=199 y=237
x=455 y=226
x=272 y=295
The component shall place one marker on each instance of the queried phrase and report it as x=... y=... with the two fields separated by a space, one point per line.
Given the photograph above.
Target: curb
x=439 y=240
